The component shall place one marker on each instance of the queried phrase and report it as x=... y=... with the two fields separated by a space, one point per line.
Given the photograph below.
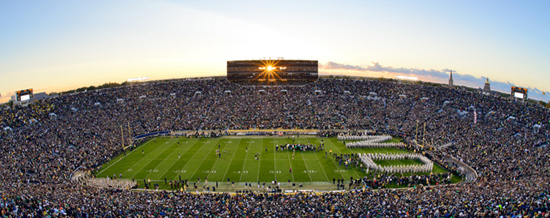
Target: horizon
x=58 y=46
x=335 y=76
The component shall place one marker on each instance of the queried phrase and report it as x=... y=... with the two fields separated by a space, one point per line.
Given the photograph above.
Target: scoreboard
x=23 y=95
x=272 y=72
x=519 y=92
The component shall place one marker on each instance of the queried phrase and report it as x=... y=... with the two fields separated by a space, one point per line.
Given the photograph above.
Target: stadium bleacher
x=506 y=173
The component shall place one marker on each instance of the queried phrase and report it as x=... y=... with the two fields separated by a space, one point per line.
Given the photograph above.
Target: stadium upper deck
x=272 y=72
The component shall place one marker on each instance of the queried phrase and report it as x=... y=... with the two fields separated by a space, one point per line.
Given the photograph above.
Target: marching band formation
x=370 y=144
x=369 y=141
x=368 y=161
x=344 y=137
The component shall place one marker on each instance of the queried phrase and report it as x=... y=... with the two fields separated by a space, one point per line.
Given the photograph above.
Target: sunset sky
x=61 y=45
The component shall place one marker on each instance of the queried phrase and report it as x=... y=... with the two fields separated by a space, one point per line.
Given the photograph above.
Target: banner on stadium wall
x=151 y=134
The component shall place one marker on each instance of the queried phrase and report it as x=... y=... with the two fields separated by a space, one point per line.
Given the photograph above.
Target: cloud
x=441 y=76
x=376 y=67
x=336 y=66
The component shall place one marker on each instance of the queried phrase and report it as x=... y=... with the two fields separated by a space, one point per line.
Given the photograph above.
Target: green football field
x=163 y=158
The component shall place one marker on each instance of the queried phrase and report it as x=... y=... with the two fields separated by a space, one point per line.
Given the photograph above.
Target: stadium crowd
x=43 y=143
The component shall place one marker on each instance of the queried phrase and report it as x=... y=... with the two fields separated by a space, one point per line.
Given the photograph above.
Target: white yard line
x=274 y=160
x=341 y=153
x=322 y=168
x=122 y=158
x=307 y=170
x=210 y=172
x=229 y=165
x=260 y=163
x=440 y=169
x=290 y=164
x=177 y=160
x=275 y=155
x=332 y=160
x=137 y=171
x=244 y=163
x=190 y=161
x=204 y=158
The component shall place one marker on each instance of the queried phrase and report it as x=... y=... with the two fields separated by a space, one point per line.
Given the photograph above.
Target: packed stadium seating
x=509 y=156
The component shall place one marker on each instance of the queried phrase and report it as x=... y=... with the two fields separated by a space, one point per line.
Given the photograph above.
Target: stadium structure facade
x=272 y=72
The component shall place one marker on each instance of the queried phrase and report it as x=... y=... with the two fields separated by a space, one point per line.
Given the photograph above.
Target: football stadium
x=364 y=109
x=165 y=147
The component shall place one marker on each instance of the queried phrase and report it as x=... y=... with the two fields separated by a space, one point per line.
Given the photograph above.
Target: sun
x=269 y=72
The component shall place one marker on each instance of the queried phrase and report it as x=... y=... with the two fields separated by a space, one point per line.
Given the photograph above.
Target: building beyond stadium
x=272 y=72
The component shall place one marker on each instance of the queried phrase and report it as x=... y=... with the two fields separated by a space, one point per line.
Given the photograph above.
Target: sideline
x=122 y=157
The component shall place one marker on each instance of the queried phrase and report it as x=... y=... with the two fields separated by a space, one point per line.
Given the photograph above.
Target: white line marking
x=203 y=159
x=176 y=160
x=122 y=158
x=229 y=165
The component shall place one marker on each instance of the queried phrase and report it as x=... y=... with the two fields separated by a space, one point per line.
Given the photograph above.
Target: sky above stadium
x=55 y=46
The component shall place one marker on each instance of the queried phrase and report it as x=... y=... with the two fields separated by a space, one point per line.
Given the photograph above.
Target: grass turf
x=163 y=157
x=398 y=162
